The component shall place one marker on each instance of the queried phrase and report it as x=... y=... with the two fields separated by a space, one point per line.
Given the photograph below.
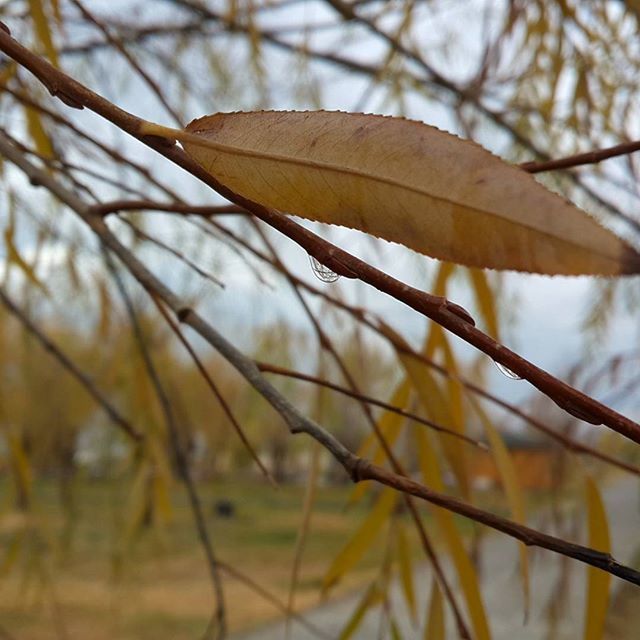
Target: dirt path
x=501 y=585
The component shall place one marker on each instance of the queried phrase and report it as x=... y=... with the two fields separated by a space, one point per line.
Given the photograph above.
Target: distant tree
x=127 y=270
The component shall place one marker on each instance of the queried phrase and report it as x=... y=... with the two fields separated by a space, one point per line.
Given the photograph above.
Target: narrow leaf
x=435 y=626
x=371 y=597
x=43 y=31
x=15 y=259
x=598 y=581
x=390 y=425
x=37 y=132
x=406 y=572
x=436 y=406
x=511 y=484
x=485 y=300
x=406 y=182
x=23 y=474
x=467 y=576
x=363 y=538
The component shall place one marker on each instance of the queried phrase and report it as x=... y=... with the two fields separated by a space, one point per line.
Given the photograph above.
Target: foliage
x=120 y=274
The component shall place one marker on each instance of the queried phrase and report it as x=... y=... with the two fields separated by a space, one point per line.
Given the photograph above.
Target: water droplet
x=505 y=371
x=322 y=272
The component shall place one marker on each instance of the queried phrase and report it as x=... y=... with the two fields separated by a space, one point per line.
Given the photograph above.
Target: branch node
x=67 y=99
x=460 y=312
x=357 y=468
x=4 y=27
x=183 y=314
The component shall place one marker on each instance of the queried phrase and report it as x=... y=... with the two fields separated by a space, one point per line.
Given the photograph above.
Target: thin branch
x=116 y=417
x=365 y=470
x=105 y=208
x=327 y=345
x=174 y=252
x=296 y=375
x=269 y=597
x=589 y=157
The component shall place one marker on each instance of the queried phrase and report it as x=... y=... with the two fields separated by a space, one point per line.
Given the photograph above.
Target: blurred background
x=97 y=536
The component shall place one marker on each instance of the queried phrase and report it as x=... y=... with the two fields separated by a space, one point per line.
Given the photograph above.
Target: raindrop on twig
x=505 y=371
x=322 y=272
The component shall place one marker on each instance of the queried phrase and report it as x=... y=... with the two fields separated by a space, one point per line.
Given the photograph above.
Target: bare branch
x=296 y=375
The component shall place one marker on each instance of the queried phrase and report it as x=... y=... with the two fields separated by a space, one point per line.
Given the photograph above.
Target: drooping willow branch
x=220 y=630
x=449 y=315
x=358 y=468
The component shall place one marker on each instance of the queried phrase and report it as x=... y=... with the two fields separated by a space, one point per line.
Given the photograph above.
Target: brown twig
x=579 y=159
x=174 y=252
x=117 y=44
x=105 y=208
x=216 y=392
x=365 y=470
x=282 y=371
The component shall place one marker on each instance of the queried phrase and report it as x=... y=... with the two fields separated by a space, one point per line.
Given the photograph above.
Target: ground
x=159 y=587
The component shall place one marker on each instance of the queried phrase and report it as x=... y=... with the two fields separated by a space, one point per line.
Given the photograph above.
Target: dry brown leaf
x=406 y=182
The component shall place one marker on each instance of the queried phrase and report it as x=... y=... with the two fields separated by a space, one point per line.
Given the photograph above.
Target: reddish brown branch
x=105 y=208
x=589 y=157
x=296 y=375
x=365 y=470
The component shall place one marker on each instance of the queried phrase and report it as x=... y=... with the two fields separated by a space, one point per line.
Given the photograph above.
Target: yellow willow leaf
x=406 y=573
x=485 y=300
x=11 y=554
x=305 y=524
x=138 y=501
x=43 y=31
x=372 y=596
x=8 y=72
x=435 y=405
x=598 y=581
x=390 y=425
x=362 y=539
x=162 y=508
x=435 y=626
x=395 y=631
x=430 y=468
x=72 y=270
x=104 y=321
x=20 y=464
x=37 y=132
x=406 y=182
x=509 y=478
x=160 y=482
x=15 y=259
x=57 y=13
